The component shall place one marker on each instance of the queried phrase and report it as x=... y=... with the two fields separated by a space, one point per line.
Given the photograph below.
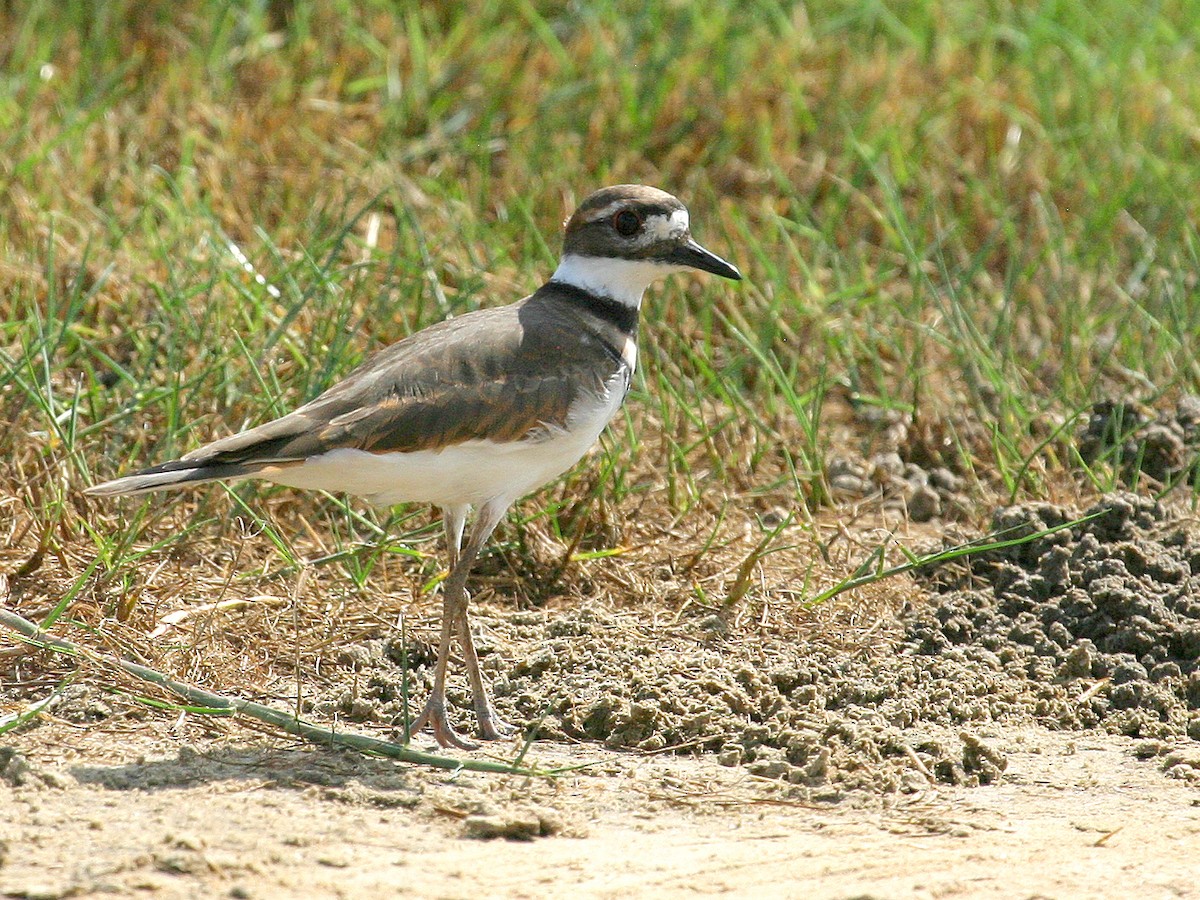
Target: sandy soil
x=1073 y=816
x=1024 y=724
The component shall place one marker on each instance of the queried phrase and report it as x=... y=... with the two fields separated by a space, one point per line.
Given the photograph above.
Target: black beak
x=694 y=256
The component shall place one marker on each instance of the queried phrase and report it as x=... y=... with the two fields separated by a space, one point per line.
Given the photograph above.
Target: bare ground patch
x=905 y=743
x=1074 y=815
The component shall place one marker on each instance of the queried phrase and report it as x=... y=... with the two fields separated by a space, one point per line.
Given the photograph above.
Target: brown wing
x=498 y=374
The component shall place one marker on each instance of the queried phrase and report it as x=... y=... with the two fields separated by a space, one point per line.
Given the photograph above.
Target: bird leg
x=454 y=520
x=454 y=620
x=434 y=712
x=491 y=726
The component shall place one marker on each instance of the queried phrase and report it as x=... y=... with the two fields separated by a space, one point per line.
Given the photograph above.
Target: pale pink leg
x=454 y=620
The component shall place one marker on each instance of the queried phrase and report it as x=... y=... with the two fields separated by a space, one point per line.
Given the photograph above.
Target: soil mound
x=1109 y=610
x=1098 y=625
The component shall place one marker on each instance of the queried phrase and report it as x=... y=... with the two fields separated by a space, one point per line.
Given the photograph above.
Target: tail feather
x=174 y=474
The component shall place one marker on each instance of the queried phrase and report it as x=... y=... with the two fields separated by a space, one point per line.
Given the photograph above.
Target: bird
x=474 y=412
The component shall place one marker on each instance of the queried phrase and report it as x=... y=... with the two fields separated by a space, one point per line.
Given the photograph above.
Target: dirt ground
x=1022 y=724
x=1073 y=816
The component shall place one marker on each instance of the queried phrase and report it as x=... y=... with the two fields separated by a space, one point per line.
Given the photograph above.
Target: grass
x=962 y=225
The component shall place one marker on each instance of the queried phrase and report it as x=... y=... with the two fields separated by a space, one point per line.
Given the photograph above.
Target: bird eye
x=627 y=223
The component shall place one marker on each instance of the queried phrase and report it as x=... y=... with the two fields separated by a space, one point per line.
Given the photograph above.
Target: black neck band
x=620 y=315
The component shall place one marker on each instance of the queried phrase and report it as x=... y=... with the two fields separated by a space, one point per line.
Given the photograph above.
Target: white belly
x=468 y=473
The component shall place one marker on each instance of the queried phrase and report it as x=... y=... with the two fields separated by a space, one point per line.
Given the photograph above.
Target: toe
x=433 y=717
x=494 y=728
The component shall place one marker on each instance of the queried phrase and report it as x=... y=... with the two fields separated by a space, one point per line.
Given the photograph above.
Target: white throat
x=623 y=280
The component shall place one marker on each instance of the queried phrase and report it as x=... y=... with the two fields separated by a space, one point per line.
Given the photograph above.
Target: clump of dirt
x=922 y=494
x=905 y=470
x=1096 y=625
x=17 y=771
x=1137 y=440
x=1109 y=610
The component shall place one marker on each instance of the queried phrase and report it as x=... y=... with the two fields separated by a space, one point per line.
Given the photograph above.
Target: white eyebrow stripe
x=679 y=218
x=602 y=214
x=661 y=228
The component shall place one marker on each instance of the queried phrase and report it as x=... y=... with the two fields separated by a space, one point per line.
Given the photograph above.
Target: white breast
x=468 y=473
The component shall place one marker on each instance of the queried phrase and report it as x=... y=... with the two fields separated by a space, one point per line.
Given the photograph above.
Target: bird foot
x=434 y=717
x=491 y=726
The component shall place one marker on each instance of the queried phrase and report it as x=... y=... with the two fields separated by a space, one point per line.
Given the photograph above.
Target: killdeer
x=478 y=410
